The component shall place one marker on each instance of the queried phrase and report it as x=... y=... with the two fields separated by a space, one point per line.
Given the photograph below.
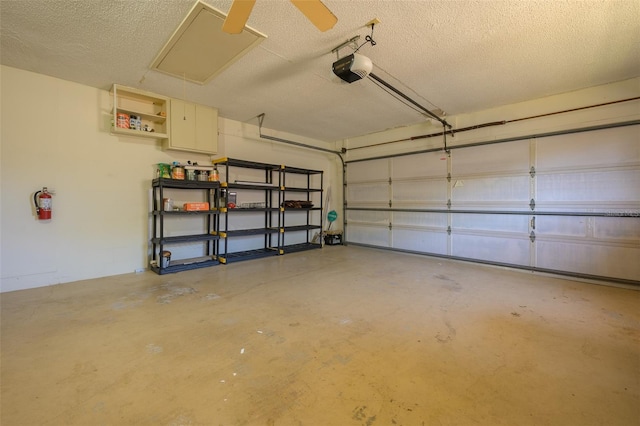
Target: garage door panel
x=369 y=217
x=368 y=234
x=510 y=157
x=368 y=170
x=420 y=193
x=482 y=191
x=501 y=249
x=415 y=219
x=589 y=258
x=419 y=165
x=567 y=226
x=368 y=194
x=423 y=241
x=626 y=229
x=619 y=146
x=489 y=222
x=584 y=219
x=617 y=228
x=595 y=187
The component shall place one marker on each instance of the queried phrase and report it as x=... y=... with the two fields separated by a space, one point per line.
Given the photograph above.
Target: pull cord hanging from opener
x=184 y=96
x=367 y=39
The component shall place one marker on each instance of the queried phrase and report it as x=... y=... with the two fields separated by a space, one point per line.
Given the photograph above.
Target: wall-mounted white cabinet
x=139 y=113
x=181 y=125
x=194 y=128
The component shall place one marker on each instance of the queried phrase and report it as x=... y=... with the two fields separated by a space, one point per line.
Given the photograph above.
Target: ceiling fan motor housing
x=353 y=67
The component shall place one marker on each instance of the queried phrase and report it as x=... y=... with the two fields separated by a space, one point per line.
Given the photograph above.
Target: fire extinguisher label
x=45 y=203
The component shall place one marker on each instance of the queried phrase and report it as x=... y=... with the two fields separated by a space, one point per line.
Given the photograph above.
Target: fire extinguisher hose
x=35 y=201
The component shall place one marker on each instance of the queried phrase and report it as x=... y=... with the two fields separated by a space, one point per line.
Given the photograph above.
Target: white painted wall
x=55 y=133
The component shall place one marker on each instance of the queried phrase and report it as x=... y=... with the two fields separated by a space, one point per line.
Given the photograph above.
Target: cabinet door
x=183 y=125
x=193 y=127
x=206 y=132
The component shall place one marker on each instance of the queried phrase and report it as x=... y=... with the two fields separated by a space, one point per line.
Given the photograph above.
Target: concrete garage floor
x=338 y=336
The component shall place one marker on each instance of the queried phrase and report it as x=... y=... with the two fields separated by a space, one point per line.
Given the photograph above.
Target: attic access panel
x=199 y=50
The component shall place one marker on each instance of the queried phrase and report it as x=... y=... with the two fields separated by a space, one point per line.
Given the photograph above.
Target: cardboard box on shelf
x=192 y=207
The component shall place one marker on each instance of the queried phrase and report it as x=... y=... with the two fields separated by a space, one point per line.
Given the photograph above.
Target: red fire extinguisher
x=43 y=204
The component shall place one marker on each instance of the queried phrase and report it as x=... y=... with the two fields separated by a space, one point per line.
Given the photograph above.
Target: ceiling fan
x=314 y=10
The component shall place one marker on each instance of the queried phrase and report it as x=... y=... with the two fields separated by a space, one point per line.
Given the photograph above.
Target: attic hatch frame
x=199 y=50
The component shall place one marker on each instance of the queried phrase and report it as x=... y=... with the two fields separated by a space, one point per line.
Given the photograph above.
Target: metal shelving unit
x=285 y=230
x=240 y=224
x=306 y=229
x=209 y=237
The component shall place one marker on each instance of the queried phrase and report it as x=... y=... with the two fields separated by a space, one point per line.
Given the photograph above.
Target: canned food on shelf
x=177 y=172
x=122 y=120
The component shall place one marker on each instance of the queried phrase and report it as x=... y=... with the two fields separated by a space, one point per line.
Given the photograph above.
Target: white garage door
x=567 y=203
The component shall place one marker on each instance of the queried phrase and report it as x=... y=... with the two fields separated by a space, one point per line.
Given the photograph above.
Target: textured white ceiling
x=459 y=56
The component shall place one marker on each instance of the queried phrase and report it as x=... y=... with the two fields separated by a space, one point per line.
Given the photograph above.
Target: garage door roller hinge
x=532 y=171
x=532 y=204
x=532 y=236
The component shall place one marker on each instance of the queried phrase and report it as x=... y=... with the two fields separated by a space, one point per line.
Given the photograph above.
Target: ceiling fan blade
x=238 y=16
x=317 y=13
